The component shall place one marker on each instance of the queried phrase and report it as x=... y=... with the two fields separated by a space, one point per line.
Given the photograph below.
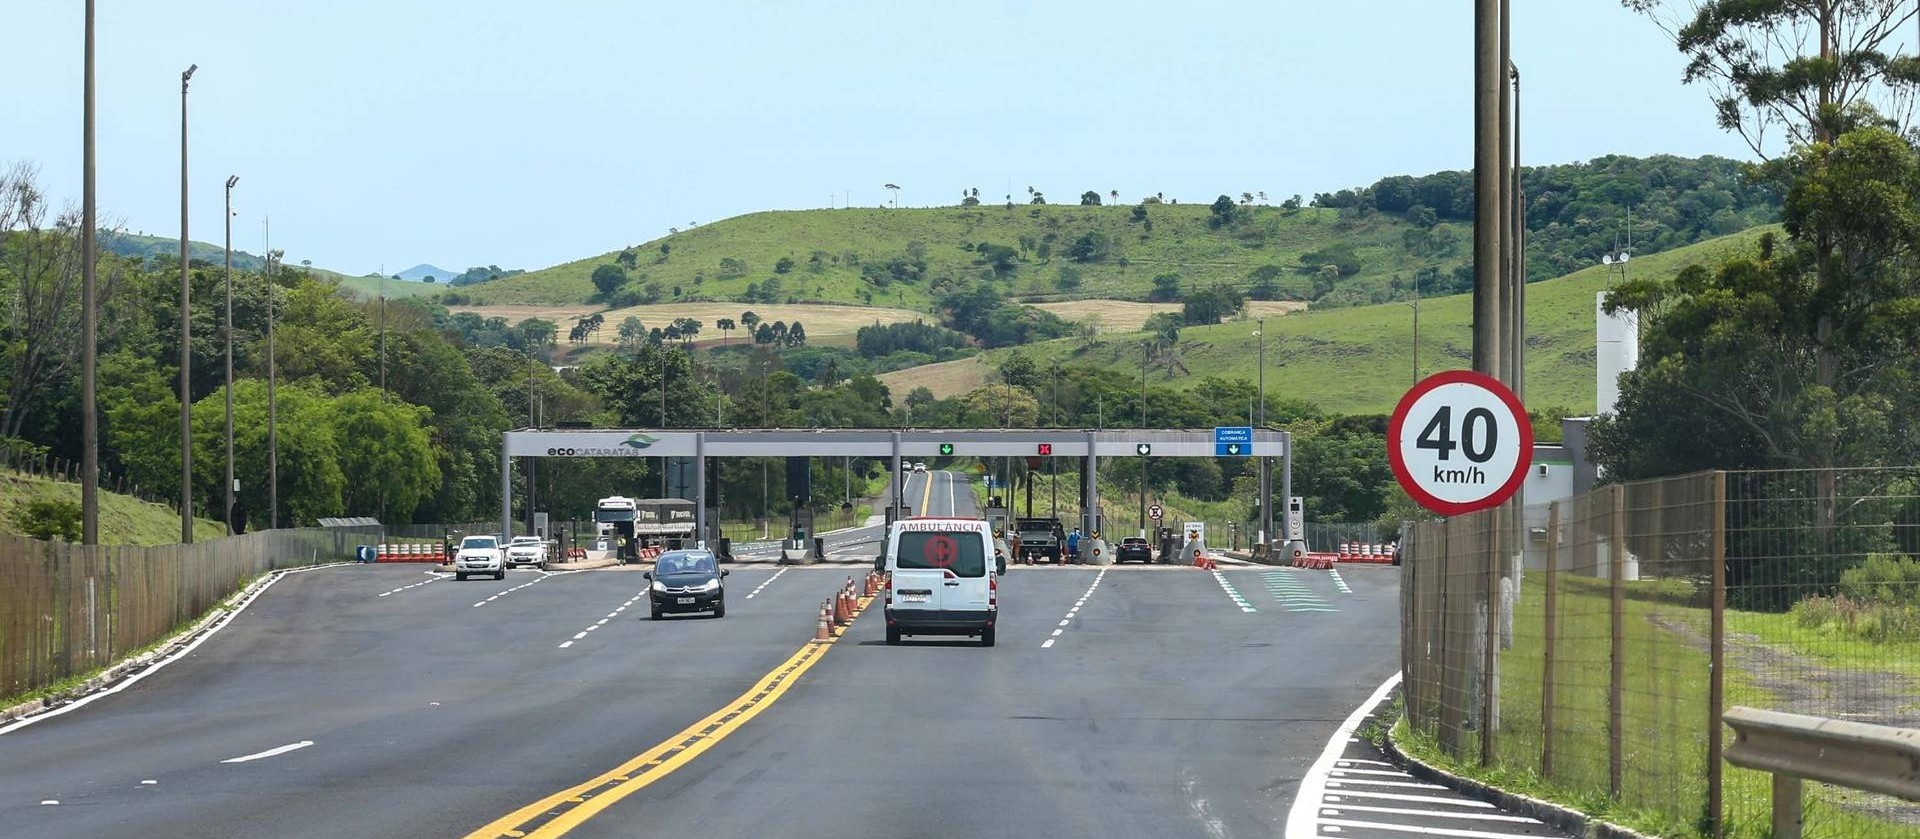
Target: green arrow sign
x=946 y=449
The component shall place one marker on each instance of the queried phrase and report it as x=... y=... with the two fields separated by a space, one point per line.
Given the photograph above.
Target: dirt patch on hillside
x=820 y=320
x=945 y=378
x=1131 y=316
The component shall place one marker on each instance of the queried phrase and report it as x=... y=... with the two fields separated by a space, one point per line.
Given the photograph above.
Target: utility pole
x=383 y=343
x=89 y=317
x=1488 y=310
x=1145 y=349
x=1266 y=466
x=227 y=511
x=186 y=334
x=1503 y=222
x=273 y=401
x=1517 y=235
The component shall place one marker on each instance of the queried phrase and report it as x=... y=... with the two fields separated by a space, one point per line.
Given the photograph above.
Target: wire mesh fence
x=68 y=610
x=1595 y=653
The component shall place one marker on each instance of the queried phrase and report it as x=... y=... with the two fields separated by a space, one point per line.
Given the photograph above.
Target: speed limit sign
x=1460 y=441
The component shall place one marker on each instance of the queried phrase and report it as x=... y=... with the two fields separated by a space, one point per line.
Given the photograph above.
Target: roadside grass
x=1360 y=360
x=1664 y=737
x=124 y=520
x=1180 y=242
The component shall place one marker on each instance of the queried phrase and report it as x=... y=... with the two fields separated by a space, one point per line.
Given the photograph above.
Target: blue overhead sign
x=1233 y=434
x=1233 y=441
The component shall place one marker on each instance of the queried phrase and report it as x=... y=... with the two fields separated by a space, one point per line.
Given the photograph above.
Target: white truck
x=480 y=555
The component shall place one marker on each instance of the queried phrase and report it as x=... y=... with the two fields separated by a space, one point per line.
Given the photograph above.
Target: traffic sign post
x=1460 y=441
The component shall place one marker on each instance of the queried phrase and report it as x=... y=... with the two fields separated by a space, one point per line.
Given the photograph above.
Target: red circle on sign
x=941 y=551
x=1397 y=426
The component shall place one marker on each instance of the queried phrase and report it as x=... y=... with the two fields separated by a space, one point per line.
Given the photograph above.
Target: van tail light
x=993 y=592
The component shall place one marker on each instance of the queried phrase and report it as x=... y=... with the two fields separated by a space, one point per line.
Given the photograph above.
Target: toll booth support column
x=1286 y=487
x=1266 y=499
x=1090 y=480
x=899 y=483
x=506 y=488
x=700 y=489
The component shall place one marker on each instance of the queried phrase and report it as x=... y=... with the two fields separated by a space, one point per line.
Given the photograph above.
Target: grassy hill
x=1359 y=360
x=370 y=288
x=830 y=248
x=123 y=520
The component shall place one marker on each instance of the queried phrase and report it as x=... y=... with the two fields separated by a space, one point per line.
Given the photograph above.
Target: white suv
x=526 y=550
x=480 y=555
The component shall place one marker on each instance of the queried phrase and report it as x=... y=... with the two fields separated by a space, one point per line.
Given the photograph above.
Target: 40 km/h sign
x=1459 y=442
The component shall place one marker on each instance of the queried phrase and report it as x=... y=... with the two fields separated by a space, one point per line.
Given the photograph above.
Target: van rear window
x=959 y=552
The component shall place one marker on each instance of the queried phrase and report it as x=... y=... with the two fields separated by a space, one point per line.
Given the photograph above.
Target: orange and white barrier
x=409 y=552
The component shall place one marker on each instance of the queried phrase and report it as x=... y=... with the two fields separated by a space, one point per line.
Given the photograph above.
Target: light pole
x=89 y=318
x=273 y=402
x=186 y=334
x=1265 y=466
x=227 y=511
x=1146 y=348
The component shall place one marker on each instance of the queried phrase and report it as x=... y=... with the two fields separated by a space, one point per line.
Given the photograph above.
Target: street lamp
x=228 y=510
x=186 y=334
x=273 y=403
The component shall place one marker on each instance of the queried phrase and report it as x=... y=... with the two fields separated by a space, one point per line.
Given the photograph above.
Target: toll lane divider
x=561 y=812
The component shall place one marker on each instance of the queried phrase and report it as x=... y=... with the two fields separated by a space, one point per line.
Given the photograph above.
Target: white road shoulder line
x=128 y=682
x=1303 y=818
x=274 y=752
x=1075 y=611
x=1338 y=809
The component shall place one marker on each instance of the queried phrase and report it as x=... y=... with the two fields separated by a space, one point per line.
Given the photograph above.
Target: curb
x=1554 y=815
x=583 y=565
x=128 y=667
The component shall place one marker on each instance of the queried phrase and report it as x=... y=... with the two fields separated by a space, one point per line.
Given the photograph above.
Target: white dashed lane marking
x=1238 y=599
x=433 y=579
x=603 y=621
x=1075 y=611
x=1338 y=582
x=756 y=589
x=511 y=590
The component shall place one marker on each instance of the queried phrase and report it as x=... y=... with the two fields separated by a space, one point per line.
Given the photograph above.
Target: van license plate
x=913 y=598
x=685 y=601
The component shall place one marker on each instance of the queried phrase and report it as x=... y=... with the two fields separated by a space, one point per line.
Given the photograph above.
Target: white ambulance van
x=944 y=578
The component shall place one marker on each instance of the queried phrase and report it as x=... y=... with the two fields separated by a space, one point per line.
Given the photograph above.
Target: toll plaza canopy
x=701 y=444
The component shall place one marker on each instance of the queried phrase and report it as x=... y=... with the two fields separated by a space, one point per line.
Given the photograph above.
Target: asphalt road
x=1142 y=701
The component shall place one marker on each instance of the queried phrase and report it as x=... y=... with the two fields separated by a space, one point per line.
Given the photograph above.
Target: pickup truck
x=1040 y=538
x=480 y=555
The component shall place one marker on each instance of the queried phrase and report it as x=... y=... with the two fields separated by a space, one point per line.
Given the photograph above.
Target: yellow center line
x=926 y=498
x=561 y=812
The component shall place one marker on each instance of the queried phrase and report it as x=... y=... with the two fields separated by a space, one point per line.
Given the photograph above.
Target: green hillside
x=369 y=288
x=831 y=249
x=123 y=520
x=1359 y=360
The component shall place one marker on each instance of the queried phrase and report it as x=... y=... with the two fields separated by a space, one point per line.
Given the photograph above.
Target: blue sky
x=525 y=134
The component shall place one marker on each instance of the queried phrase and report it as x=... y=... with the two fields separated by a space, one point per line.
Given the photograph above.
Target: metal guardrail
x=1797 y=748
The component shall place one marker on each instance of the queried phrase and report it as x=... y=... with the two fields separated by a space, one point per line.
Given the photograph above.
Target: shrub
x=49 y=518
x=1883 y=578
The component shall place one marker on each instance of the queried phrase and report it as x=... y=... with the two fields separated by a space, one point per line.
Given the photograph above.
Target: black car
x=1133 y=548
x=687 y=581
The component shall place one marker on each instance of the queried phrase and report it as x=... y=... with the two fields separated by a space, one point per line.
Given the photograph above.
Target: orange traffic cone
x=821 y=633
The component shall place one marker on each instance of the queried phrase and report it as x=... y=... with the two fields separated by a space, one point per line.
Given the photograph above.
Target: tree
x=749 y=320
x=1291 y=205
x=1038 y=198
x=1164 y=327
x=627 y=258
x=725 y=325
x=427 y=279
x=1001 y=405
x=1221 y=212
x=631 y=333
x=1166 y=287
x=608 y=279
x=665 y=249
x=538 y=333
x=1089 y=199
x=1019 y=370
x=731 y=268
x=1324 y=279
x=783 y=265
x=796 y=335
x=1114 y=194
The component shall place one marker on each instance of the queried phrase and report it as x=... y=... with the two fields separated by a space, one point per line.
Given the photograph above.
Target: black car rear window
x=959 y=552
